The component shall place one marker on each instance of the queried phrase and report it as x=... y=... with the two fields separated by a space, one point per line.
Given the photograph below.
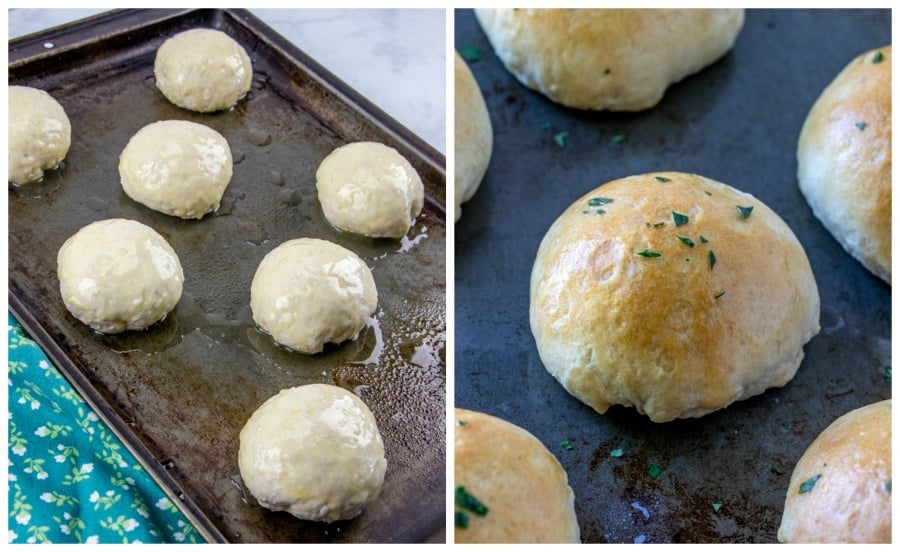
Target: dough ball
x=117 y=275
x=39 y=134
x=672 y=293
x=840 y=491
x=203 y=70
x=370 y=189
x=178 y=168
x=309 y=292
x=844 y=160
x=508 y=471
x=608 y=59
x=314 y=451
x=473 y=135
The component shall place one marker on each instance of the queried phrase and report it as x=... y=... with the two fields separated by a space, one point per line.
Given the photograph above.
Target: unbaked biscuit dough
x=118 y=274
x=39 y=134
x=308 y=292
x=314 y=451
x=203 y=70
x=370 y=189
x=178 y=168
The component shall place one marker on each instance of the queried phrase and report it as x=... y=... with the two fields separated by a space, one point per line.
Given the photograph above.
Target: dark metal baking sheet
x=737 y=122
x=180 y=392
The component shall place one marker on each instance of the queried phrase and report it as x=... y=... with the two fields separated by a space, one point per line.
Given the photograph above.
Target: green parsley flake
x=654 y=471
x=607 y=71
x=461 y=520
x=616 y=453
x=887 y=375
x=776 y=470
x=745 y=211
x=712 y=259
x=594 y=201
x=679 y=219
x=861 y=125
x=649 y=254
x=807 y=485
x=716 y=296
x=887 y=486
x=618 y=138
x=566 y=445
x=878 y=57
x=662 y=179
x=469 y=502
x=461 y=423
x=717 y=506
x=601 y=212
x=686 y=241
x=560 y=138
x=703 y=240
x=470 y=53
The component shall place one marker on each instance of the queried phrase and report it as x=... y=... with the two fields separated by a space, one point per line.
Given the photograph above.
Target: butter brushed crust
x=671 y=335
x=522 y=484
x=473 y=135
x=844 y=160
x=850 y=502
x=608 y=59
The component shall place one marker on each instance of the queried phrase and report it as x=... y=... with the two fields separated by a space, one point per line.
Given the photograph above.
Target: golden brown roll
x=672 y=293
x=473 y=135
x=619 y=60
x=840 y=490
x=844 y=160
x=509 y=487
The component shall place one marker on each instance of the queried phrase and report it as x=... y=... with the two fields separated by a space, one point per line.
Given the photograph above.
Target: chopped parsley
x=712 y=259
x=861 y=125
x=662 y=179
x=461 y=423
x=717 y=506
x=461 y=519
x=776 y=470
x=560 y=138
x=716 y=296
x=616 y=453
x=618 y=138
x=654 y=471
x=878 y=57
x=745 y=211
x=566 y=445
x=648 y=253
x=594 y=201
x=686 y=241
x=807 y=485
x=607 y=71
x=601 y=212
x=679 y=219
x=656 y=225
x=887 y=486
x=470 y=53
x=703 y=240
x=468 y=502
x=887 y=375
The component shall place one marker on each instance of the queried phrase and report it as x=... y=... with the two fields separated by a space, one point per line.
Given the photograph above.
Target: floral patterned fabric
x=70 y=479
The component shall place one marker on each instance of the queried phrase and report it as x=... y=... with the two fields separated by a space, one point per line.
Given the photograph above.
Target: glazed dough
x=118 y=274
x=178 y=168
x=314 y=451
x=473 y=135
x=370 y=189
x=39 y=134
x=657 y=291
x=308 y=292
x=203 y=70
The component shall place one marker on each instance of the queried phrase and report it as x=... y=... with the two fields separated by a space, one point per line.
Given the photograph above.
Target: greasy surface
x=181 y=392
x=736 y=122
x=677 y=335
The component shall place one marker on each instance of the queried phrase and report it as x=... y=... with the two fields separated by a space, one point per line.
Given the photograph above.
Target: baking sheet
x=180 y=392
x=736 y=122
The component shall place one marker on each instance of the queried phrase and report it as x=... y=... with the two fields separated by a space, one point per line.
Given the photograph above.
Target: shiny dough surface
x=39 y=134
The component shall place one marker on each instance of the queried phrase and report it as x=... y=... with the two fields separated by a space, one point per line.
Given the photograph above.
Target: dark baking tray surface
x=737 y=122
x=179 y=393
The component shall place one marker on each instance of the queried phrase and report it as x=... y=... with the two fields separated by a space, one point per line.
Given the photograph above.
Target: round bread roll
x=672 y=293
x=314 y=451
x=473 y=135
x=178 y=168
x=509 y=487
x=844 y=160
x=203 y=70
x=608 y=59
x=309 y=292
x=370 y=189
x=39 y=134
x=117 y=275
x=840 y=491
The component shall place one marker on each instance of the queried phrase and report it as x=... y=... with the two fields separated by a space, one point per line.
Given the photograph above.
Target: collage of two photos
x=449 y=275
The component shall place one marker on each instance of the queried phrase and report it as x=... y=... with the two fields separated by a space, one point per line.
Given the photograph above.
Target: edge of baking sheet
x=116 y=25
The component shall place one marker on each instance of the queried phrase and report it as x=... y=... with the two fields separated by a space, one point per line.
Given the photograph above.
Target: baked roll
x=473 y=135
x=608 y=59
x=671 y=293
x=844 y=160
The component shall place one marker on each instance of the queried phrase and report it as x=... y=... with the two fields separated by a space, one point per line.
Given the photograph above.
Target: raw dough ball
x=203 y=70
x=39 y=134
x=370 y=189
x=511 y=473
x=178 y=168
x=620 y=60
x=666 y=292
x=840 y=491
x=473 y=135
x=117 y=275
x=844 y=160
x=309 y=292
x=314 y=451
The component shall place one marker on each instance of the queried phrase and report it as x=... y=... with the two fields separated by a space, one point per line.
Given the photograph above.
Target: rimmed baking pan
x=721 y=478
x=179 y=393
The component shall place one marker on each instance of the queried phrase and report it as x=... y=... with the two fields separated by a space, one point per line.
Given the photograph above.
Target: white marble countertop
x=393 y=57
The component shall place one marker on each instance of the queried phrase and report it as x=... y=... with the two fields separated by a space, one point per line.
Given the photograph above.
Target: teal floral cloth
x=70 y=479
